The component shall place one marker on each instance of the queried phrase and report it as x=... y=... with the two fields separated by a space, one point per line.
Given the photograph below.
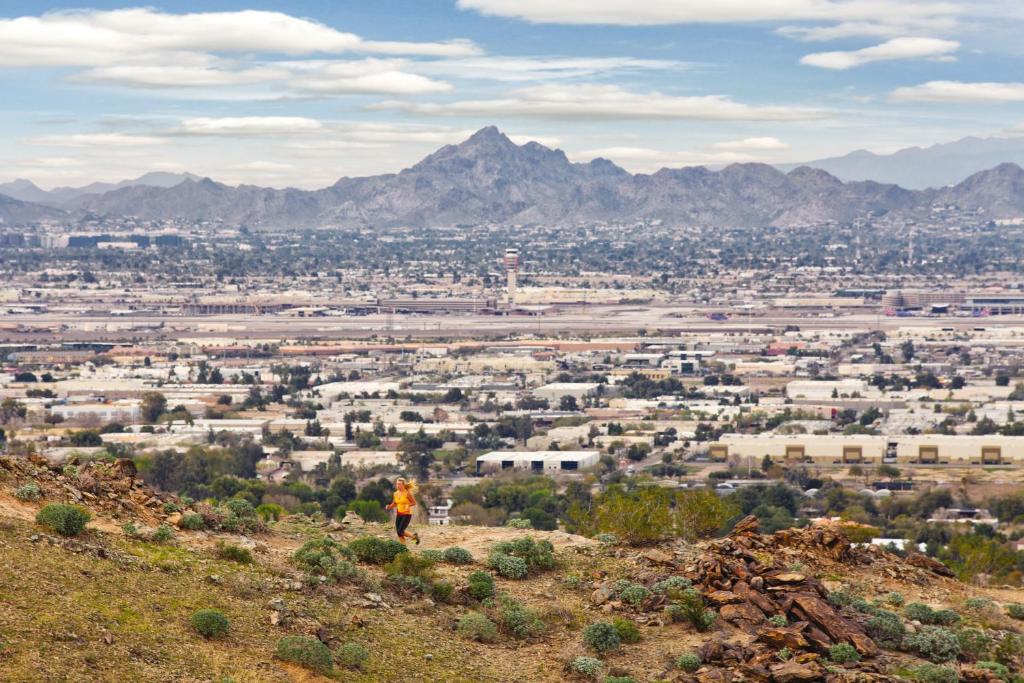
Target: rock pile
x=108 y=487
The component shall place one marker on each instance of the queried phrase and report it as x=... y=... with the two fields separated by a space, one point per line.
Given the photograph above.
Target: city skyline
x=305 y=93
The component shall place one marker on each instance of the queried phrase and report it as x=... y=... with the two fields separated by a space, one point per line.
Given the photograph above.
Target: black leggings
x=402 y=523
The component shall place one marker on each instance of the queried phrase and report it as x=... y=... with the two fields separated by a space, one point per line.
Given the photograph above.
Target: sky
x=302 y=93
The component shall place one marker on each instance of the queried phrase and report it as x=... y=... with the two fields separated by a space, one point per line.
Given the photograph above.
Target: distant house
x=438 y=515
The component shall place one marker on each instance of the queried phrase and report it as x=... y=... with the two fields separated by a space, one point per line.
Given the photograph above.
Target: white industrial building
x=924 y=449
x=536 y=461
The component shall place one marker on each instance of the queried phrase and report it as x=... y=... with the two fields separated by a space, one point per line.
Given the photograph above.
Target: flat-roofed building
x=536 y=461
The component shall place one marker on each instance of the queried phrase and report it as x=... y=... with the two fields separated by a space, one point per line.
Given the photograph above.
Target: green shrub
x=945 y=617
x=241 y=508
x=886 y=628
x=607 y=539
x=233 y=553
x=843 y=653
x=376 y=550
x=1009 y=649
x=476 y=626
x=129 y=529
x=974 y=643
x=634 y=594
x=841 y=598
x=917 y=611
x=325 y=557
x=171 y=508
x=688 y=662
x=519 y=523
x=192 y=522
x=932 y=673
x=586 y=666
x=269 y=512
x=518 y=621
x=28 y=492
x=778 y=620
x=481 y=585
x=784 y=655
x=442 y=591
x=210 y=623
x=411 y=584
x=163 y=534
x=995 y=667
x=508 y=566
x=1015 y=610
x=619 y=679
x=671 y=584
x=307 y=652
x=601 y=637
x=572 y=581
x=411 y=564
x=352 y=655
x=457 y=555
x=66 y=520
x=627 y=630
x=933 y=643
x=978 y=604
x=434 y=556
x=691 y=608
x=895 y=599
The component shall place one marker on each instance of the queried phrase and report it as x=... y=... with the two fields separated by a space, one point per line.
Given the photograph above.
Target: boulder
x=796 y=672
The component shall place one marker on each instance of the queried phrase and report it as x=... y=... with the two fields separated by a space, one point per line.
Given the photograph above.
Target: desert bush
x=457 y=555
x=376 y=550
x=627 y=630
x=778 y=620
x=28 y=492
x=411 y=564
x=1009 y=649
x=572 y=581
x=688 y=662
x=325 y=557
x=784 y=655
x=508 y=566
x=536 y=555
x=840 y=598
x=995 y=667
x=233 y=553
x=434 y=556
x=945 y=617
x=66 y=520
x=518 y=621
x=210 y=623
x=130 y=529
x=619 y=679
x=601 y=637
x=519 y=523
x=843 y=653
x=1015 y=610
x=193 y=522
x=170 y=508
x=974 y=643
x=307 y=652
x=607 y=539
x=352 y=655
x=269 y=512
x=481 y=585
x=895 y=599
x=478 y=627
x=692 y=609
x=163 y=534
x=978 y=604
x=932 y=673
x=933 y=643
x=652 y=514
x=671 y=584
x=918 y=611
x=586 y=666
x=634 y=594
x=886 y=628
x=442 y=591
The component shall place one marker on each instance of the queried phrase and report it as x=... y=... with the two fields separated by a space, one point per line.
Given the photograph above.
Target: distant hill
x=490 y=179
x=919 y=168
x=17 y=212
x=27 y=191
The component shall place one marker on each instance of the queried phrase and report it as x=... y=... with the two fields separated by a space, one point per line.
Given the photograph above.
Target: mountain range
x=917 y=168
x=490 y=179
x=27 y=191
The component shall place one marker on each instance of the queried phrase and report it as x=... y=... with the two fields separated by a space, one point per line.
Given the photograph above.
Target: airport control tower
x=512 y=272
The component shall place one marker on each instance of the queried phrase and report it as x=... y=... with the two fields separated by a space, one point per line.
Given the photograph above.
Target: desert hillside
x=312 y=600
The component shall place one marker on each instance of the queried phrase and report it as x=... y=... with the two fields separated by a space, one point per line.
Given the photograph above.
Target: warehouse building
x=925 y=449
x=536 y=461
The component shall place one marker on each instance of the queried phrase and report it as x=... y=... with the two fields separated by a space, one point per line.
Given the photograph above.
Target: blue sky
x=301 y=93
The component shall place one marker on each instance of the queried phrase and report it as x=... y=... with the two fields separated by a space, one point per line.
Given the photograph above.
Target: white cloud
x=752 y=144
x=371 y=76
x=546 y=140
x=897 y=48
x=103 y=38
x=959 y=92
x=632 y=13
x=648 y=160
x=248 y=126
x=513 y=69
x=262 y=166
x=607 y=102
x=54 y=162
x=96 y=140
x=868 y=29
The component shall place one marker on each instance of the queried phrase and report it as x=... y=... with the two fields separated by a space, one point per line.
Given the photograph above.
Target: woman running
x=403 y=502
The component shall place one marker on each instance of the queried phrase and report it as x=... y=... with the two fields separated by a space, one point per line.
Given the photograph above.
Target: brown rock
x=838 y=629
x=741 y=612
x=787 y=577
x=601 y=595
x=780 y=637
x=723 y=597
x=658 y=557
x=712 y=675
x=795 y=672
x=929 y=564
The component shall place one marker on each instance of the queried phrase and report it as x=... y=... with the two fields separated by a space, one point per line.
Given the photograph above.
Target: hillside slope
x=114 y=606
